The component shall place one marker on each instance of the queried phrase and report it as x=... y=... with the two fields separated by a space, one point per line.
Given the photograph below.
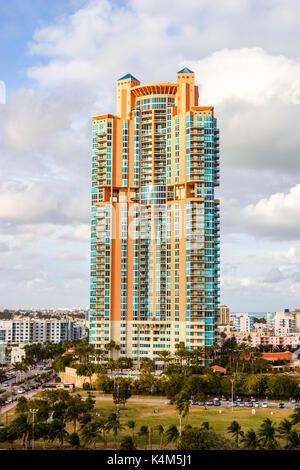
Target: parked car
x=242 y=404
x=201 y=403
x=217 y=403
x=265 y=405
x=249 y=404
x=234 y=403
x=210 y=403
x=169 y=402
x=257 y=404
x=281 y=405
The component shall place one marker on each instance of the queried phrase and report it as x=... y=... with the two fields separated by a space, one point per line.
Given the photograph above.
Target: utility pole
x=33 y=411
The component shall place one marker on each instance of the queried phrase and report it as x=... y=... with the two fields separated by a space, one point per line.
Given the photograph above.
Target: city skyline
x=55 y=80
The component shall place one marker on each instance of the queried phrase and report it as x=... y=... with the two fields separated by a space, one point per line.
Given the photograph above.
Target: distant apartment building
x=29 y=330
x=224 y=315
x=266 y=340
x=243 y=322
x=284 y=322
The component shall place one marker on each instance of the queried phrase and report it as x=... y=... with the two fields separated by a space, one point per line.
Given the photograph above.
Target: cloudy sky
x=60 y=61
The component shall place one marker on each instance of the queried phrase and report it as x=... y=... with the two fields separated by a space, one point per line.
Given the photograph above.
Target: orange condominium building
x=155 y=220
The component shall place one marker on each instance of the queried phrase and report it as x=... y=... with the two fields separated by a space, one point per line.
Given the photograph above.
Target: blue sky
x=60 y=61
x=18 y=21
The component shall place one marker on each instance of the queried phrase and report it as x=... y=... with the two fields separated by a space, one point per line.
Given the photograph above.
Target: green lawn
x=143 y=414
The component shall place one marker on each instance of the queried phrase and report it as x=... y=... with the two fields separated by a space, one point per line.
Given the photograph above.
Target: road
x=27 y=395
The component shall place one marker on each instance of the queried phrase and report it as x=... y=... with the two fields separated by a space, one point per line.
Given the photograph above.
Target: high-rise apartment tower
x=155 y=220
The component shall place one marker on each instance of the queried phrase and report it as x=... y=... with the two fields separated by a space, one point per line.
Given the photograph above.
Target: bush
x=57 y=379
x=199 y=439
x=127 y=443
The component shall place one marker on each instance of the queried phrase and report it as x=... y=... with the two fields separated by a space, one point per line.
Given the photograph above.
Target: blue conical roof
x=128 y=75
x=185 y=70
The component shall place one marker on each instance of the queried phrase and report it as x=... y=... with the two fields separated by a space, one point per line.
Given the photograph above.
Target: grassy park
x=155 y=414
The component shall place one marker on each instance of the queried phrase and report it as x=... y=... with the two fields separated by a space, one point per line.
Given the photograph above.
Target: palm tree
x=250 y=440
x=113 y=424
x=165 y=356
x=293 y=442
x=181 y=352
x=89 y=434
x=284 y=430
x=147 y=365
x=19 y=367
x=235 y=430
x=110 y=346
x=296 y=417
x=267 y=437
x=99 y=354
x=73 y=413
x=161 y=432
x=2 y=375
x=198 y=355
x=183 y=406
x=41 y=431
x=21 y=426
x=144 y=432
x=83 y=349
x=132 y=425
x=57 y=431
x=172 y=434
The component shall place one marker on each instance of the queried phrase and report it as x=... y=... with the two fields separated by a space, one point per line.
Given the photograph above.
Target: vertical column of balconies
x=100 y=163
x=97 y=274
x=195 y=260
x=146 y=262
x=159 y=160
x=209 y=231
x=196 y=160
x=146 y=145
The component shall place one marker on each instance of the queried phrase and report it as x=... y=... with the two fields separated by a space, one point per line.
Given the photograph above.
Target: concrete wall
x=70 y=377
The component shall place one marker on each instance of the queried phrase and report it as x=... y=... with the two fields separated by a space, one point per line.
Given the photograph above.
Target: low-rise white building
x=17 y=355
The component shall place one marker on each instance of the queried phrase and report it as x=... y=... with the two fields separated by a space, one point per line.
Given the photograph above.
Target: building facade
x=243 y=322
x=155 y=220
x=29 y=331
x=224 y=315
x=284 y=322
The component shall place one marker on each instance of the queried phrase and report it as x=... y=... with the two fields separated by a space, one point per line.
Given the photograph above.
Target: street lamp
x=33 y=411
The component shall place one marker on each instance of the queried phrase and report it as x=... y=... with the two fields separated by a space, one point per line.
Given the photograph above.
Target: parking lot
x=248 y=403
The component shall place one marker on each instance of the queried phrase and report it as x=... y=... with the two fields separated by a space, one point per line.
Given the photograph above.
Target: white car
x=265 y=405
